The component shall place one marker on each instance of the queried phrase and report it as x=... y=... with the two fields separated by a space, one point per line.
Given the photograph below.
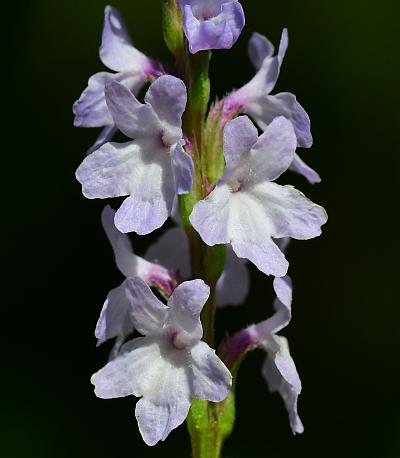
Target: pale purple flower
x=170 y=365
x=133 y=70
x=279 y=369
x=115 y=319
x=246 y=209
x=212 y=24
x=255 y=99
x=154 y=167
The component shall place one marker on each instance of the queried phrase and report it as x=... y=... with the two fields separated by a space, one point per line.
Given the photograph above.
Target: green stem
x=209 y=423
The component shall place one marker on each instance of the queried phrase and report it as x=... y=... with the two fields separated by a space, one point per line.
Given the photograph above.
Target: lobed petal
x=117 y=51
x=172 y=251
x=168 y=97
x=240 y=135
x=281 y=375
x=185 y=305
x=212 y=25
x=273 y=153
x=299 y=166
x=109 y=170
x=91 y=109
x=289 y=212
x=156 y=421
x=148 y=313
x=259 y=48
x=211 y=379
x=183 y=169
x=210 y=216
x=266 y=108
x=233 y=285
x=134 y=119
x=114 y=320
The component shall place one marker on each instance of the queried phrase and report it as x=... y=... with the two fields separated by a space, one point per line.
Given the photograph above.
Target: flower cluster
x=213 y=173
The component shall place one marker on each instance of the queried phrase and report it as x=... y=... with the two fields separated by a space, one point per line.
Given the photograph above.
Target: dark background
x=343 y=64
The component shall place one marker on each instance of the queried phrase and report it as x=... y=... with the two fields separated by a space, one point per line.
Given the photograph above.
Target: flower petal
x=168 y=97
x=157 y=421
x=114 y=318
x=134 y=119
x=233 y=285
x=186 y=303
x=210 y=216
x=259 y=48
x=172 y=251
x=108 y=172
x=273 y=153
x=149 y=206
x=281 y=375
x=299 y=166
x=240 y=135
x=212 y=25
x=116 y=50
x=250 y=231
x=183 y=169
x=211 y=379
x=148 y=313
x=267 y=107
x=133 y=169
x=289 y=212
x=90 y=109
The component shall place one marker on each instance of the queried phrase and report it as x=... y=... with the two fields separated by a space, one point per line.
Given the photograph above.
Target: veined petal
x=168 y=97
x=233 y=285
x=91 y=109
x=281 y=375
x=289 y=212
x=263 y=332
x=265 y=108
x=264 y=80
x=148 y=313
x=185 y=305
x=108 y=172
x=240 y=135
x=156 y=421
x=210 y=216
x=117 y=51
x=114 y=318
x=299 y=166
x=212 y=25
x=259 y=48
x=183 y=169
x=273 y=153
x=148 y=206
x=211 y=379
x=250 y=231
x=134 y=119
x=172 y=251
x=144 y=367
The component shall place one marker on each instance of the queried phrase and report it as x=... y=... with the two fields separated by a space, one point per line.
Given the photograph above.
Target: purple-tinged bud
x=212 y=24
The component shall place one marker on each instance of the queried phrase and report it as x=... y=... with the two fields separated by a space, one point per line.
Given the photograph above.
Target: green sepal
x=172 y=27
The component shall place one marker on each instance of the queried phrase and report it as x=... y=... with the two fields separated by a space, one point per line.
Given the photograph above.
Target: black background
x=343 y=64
